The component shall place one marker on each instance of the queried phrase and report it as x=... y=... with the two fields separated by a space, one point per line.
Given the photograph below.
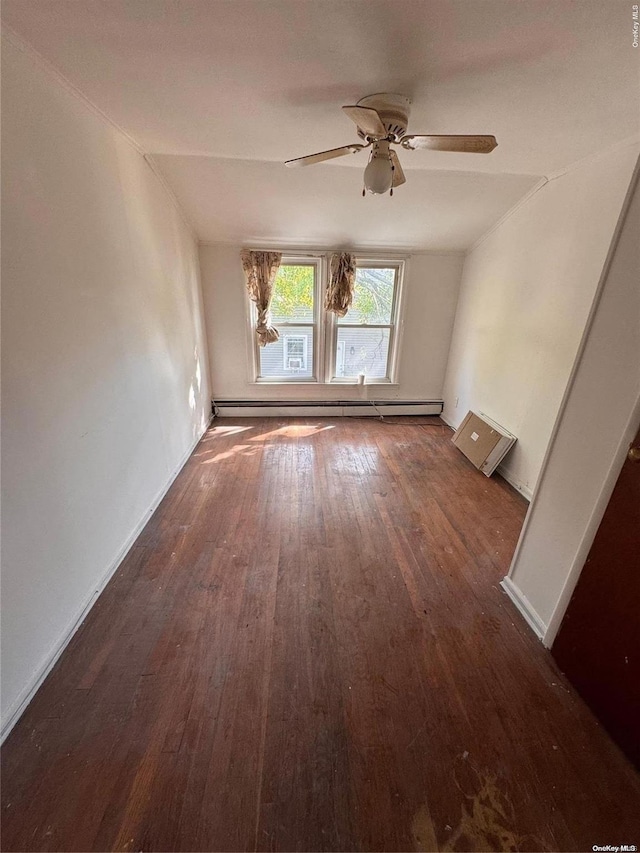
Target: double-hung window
x=318 y=347
x=294 y=313
x=365 y=340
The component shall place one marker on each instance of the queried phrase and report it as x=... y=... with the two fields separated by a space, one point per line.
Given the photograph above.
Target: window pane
x=362 y=351
x=373 y=296
x=290 y=357
x=292 y=300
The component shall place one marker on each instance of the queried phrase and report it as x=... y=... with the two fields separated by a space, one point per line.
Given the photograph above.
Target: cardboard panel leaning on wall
x=525 y=296
x=429 y=301
x=104 y=385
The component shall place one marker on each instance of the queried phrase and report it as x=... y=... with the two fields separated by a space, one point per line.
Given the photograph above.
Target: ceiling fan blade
x=310 y=159
x=367 y=120
x=463 y=144
x=398 y=174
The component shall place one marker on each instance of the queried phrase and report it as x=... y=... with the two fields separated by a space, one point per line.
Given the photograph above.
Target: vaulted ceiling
x=221 y=92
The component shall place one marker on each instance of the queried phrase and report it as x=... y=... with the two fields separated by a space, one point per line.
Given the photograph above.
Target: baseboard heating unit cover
x=325 y=408
x=484 y=442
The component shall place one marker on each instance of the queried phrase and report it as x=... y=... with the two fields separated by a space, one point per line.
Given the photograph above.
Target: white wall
x=525 y=296
x=104 y=385
x=431 y=291
x=599 y=419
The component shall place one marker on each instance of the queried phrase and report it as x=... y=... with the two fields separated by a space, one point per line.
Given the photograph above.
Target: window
x=295 y=352
x=294 y=313
x=315 y=346
x=364 y=340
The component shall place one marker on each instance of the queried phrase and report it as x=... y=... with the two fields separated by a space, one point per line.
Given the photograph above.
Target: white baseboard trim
x=224 y=410
x=525 y=607
x=525 y=491
x=19 y=706
x=448 y=423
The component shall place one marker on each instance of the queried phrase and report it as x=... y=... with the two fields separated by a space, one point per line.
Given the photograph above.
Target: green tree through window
x=373 y=298
x=293 y=293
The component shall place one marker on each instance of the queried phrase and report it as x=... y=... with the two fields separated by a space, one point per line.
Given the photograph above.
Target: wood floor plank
x=308 y=649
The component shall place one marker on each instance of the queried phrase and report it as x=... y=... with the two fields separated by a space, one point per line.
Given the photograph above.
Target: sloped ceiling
x=253 y=201
x=221 y=92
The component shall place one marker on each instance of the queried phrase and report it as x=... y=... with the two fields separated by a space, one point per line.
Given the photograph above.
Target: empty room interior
x=320 y=425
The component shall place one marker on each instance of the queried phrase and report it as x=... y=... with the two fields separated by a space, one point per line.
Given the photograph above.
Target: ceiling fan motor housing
x=392 y=109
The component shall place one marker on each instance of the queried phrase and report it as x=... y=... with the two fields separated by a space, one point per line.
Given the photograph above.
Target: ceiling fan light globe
x=378 y=175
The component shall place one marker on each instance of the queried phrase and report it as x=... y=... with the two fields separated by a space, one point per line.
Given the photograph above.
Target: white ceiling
x=223 y=91
x=250 y=201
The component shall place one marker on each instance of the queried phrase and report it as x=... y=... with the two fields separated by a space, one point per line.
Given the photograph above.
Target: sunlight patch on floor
x=293 y=431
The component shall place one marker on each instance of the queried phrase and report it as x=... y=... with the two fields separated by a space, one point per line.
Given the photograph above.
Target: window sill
x=336 y=383
x=301 y=382
x=352 y=382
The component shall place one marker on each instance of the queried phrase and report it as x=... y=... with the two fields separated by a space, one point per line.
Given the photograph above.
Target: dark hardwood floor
x=308 y=649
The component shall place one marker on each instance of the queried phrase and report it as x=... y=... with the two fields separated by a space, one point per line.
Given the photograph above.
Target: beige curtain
x=343 y=276
x=260 y=269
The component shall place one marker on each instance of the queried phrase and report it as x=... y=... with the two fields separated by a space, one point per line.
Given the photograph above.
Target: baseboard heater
x=324 y=408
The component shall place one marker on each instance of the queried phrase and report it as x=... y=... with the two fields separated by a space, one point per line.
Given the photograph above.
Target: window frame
x=325 y=324
x=394 y=326
x=317 y=262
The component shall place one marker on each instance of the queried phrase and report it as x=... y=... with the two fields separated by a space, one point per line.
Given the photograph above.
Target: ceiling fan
x=382 y=121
